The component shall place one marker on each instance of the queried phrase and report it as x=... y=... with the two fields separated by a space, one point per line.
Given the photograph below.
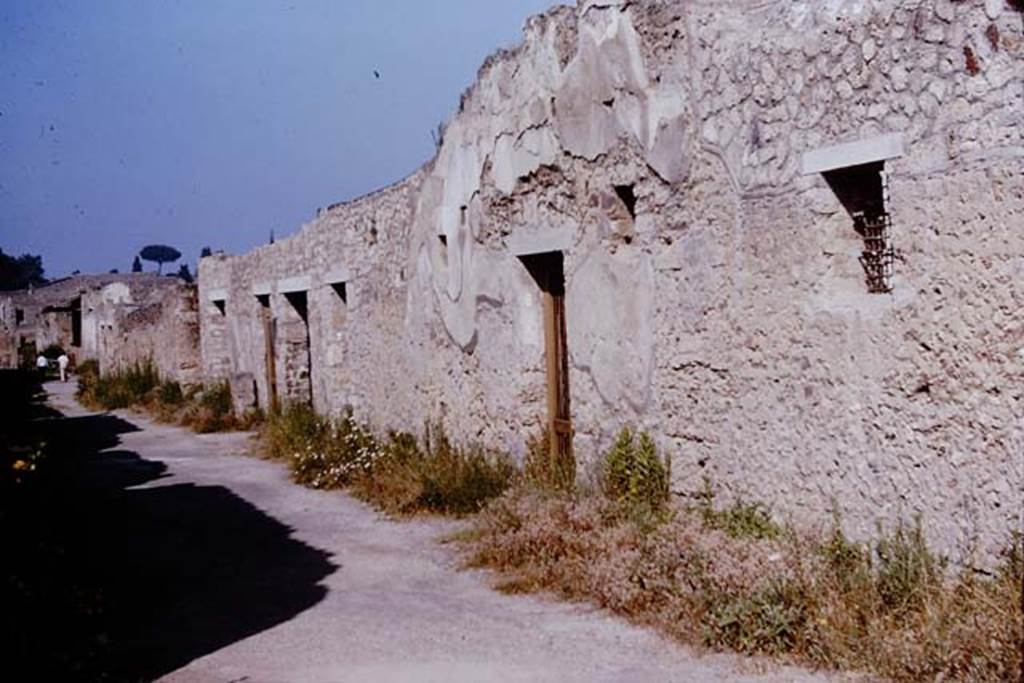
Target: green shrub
x=395 y=473
x=217 y=398
x=633 y=475
x=120 y=389
x=849 y=563
x=291 y=427
x=322 y=453
x=203 y=408
x=739 y=520
x=906 y=570
x=769 y=622
x=211 y=410
x=391 y=481
x=403 y=478
x=1012 y=567
x=88 y=377
x=460 y=480
x=169 y=393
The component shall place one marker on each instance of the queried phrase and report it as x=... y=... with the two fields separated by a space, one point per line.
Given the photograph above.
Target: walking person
x=62 y=363
x=41 y=366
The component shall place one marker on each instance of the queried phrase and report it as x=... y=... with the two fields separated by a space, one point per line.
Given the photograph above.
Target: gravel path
x=252 y=578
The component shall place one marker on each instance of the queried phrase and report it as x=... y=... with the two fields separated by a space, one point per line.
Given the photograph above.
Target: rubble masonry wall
x=726 y=312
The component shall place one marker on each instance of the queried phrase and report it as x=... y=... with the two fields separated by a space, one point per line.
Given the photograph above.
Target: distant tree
x=205 y=252
x=137 y=265
x=184 y=273
x=160 y=254
x=21 y=272
x=114 y=271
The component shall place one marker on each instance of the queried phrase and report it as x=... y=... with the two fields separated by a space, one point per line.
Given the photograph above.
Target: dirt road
x=226 y=571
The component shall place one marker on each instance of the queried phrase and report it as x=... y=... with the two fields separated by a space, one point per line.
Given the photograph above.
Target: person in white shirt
x=42 y=364
x=62 y=363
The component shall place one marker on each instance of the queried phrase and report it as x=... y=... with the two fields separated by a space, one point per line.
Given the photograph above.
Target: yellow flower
x=20 y=465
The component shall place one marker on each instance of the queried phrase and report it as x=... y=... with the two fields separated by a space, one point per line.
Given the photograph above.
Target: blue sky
x=212 y=122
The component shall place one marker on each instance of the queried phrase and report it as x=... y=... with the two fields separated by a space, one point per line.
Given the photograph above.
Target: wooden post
x=556 y=355
x=269 y=356
x=551 y=362
x=547 y=271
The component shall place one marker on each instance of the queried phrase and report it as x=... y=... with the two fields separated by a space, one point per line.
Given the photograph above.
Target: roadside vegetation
x=396 y=473
x=203 y=408
x=732 y=578
x=727 y=577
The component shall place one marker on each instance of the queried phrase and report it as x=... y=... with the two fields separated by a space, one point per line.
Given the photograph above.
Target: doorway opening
x=76 y=322
x=298 y=357
x=269 y=356
x=548 y=270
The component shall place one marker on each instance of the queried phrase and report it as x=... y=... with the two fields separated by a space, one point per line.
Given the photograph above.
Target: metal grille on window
x=878 y=257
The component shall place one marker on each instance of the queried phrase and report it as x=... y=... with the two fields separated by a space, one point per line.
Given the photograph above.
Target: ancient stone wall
x=127 y=323
x=683 y=158
x=350 y=265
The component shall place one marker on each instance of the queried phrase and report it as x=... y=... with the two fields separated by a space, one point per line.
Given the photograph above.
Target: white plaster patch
x=879 y=148
x=528 y=320
x=301 y=283
x=117 y=293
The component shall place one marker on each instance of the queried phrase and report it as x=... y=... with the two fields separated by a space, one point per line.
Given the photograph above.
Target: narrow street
x=226 y=571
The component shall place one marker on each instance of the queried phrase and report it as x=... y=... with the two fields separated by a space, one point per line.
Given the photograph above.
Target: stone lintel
x=337 y=275
x=292 y=285
x=865 y=151
x=217 y=295
x=263 y=288
x=540 y=242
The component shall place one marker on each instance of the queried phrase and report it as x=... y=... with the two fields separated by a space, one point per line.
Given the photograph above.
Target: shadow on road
x=109 y=582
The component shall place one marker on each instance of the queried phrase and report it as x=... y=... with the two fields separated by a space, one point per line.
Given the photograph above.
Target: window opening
x=443 y=239
x=300 y=303
x=628 y=197
x=864 y=192
x=339 y=289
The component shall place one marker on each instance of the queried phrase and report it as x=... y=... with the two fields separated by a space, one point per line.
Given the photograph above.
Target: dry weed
x=887 y=607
